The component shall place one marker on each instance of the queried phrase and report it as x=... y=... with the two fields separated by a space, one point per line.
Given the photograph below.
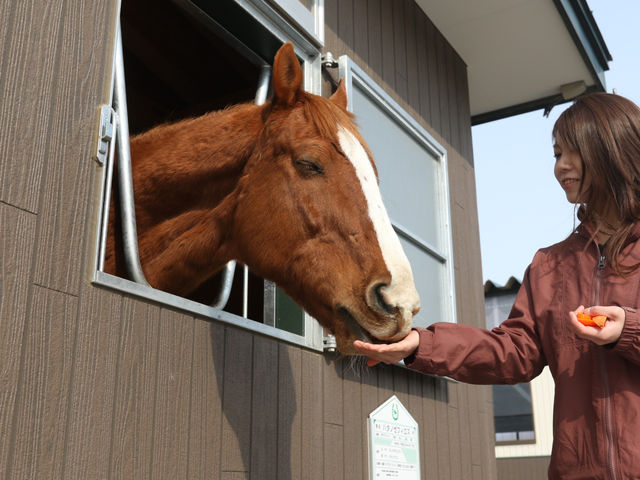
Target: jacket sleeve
x=510 y=353
x=628 y=345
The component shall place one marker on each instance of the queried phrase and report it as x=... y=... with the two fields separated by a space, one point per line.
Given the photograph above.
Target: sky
x=521 y=207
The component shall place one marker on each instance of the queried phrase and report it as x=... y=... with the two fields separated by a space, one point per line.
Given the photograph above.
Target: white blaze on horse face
x=402 y=292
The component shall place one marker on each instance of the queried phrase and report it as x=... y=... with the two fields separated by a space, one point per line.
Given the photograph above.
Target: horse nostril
x=375 y=298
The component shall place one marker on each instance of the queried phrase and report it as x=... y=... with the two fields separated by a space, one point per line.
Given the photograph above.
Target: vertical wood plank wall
x=523 y=468
x=95 y=384
x=397 y=45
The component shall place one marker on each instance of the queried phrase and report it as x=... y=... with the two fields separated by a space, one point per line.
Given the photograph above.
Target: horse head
x=310 y=216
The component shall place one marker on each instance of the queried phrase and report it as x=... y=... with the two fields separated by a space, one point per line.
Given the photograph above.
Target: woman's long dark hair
x=604 y=129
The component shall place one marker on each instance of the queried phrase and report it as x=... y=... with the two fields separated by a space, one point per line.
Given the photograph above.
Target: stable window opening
x=181 y=59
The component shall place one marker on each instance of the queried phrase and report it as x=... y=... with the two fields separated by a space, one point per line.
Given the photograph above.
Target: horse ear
x=339 y=97
x=287 y=75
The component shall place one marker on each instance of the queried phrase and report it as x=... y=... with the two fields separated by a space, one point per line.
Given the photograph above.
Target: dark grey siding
x=523 y=468
x=95 y=384
x=400 y=48
x=397 y=45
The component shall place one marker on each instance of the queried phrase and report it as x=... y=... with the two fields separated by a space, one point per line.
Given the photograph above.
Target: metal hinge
x=329 y=343
x=327 y=61
x=105 y=132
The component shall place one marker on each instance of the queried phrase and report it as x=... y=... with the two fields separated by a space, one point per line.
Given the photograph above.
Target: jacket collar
x=585 y=231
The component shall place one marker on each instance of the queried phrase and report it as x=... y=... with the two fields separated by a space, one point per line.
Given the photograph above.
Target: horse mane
x=325 y=115
x=195 y=123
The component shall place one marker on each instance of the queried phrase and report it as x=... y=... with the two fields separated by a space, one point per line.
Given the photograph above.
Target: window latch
x=105 y=133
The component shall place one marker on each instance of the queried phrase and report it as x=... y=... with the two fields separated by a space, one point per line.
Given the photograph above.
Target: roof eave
x=586 y=35
x=545 y=104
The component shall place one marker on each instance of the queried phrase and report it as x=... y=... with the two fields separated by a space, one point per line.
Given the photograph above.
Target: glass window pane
x=305 y=15
x=308 y=4
x=506 y=437
x=526 y=436
x=407 y=172
x=427 y=274
x=289 y=316
x=512 y=411
x=412 y=171
x=289 y=5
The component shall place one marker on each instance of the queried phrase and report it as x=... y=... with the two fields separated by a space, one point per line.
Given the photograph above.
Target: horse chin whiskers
x=357 y=364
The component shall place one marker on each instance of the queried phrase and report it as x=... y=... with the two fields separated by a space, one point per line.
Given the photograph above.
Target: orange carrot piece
x=599 y=320
x=592 y=321
x=585 y=319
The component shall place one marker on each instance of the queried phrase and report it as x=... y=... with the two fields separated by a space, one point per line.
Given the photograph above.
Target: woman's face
x=569 y=173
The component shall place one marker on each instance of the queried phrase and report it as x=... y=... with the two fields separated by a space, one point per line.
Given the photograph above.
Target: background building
x=522 y=413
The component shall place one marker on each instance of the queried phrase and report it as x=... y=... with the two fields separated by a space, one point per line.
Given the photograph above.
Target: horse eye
x=308 y=167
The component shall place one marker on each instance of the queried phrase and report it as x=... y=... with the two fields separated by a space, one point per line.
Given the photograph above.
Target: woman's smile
x=568 y=170
x=568 y=183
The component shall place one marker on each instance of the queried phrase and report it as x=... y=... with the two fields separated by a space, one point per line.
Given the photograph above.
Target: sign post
x=394 y=448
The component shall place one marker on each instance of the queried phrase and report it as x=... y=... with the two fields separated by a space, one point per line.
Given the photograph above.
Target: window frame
x=502 y=438
x=352 y=74
x=313 y=337
x=309 y=22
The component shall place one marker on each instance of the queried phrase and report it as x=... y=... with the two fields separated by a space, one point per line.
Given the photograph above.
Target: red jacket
x=596 y=421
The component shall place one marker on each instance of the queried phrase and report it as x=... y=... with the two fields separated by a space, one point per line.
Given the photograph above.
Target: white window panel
x=412 y=168
x=306 y=16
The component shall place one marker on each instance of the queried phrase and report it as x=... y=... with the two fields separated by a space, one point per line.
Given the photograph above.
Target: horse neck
x=185 y=176
x=192 y=164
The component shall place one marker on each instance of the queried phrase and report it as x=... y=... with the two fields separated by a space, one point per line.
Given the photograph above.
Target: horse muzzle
x=395 y=306
x=382 y=324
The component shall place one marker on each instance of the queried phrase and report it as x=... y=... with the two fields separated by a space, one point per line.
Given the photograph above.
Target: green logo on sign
x=394 y=411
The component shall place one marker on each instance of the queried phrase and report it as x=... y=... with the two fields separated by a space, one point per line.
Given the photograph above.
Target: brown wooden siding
x=399 y=47
x=524 y=468
x=95 y=384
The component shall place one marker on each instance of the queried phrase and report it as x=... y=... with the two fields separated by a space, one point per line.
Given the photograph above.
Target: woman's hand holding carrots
x=588 y=323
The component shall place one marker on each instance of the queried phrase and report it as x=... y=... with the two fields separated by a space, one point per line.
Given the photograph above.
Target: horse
x=288 y=188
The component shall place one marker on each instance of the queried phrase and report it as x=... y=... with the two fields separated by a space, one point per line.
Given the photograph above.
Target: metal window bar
x=127 y=205
x=125 y=177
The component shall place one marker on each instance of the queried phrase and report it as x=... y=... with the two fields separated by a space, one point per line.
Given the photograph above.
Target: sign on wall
x=394 y=448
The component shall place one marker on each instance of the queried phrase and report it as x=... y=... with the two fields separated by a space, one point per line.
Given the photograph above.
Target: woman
x=597 y=371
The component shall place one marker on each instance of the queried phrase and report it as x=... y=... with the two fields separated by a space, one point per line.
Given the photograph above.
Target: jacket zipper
x=602 y=261
x=612 y=466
